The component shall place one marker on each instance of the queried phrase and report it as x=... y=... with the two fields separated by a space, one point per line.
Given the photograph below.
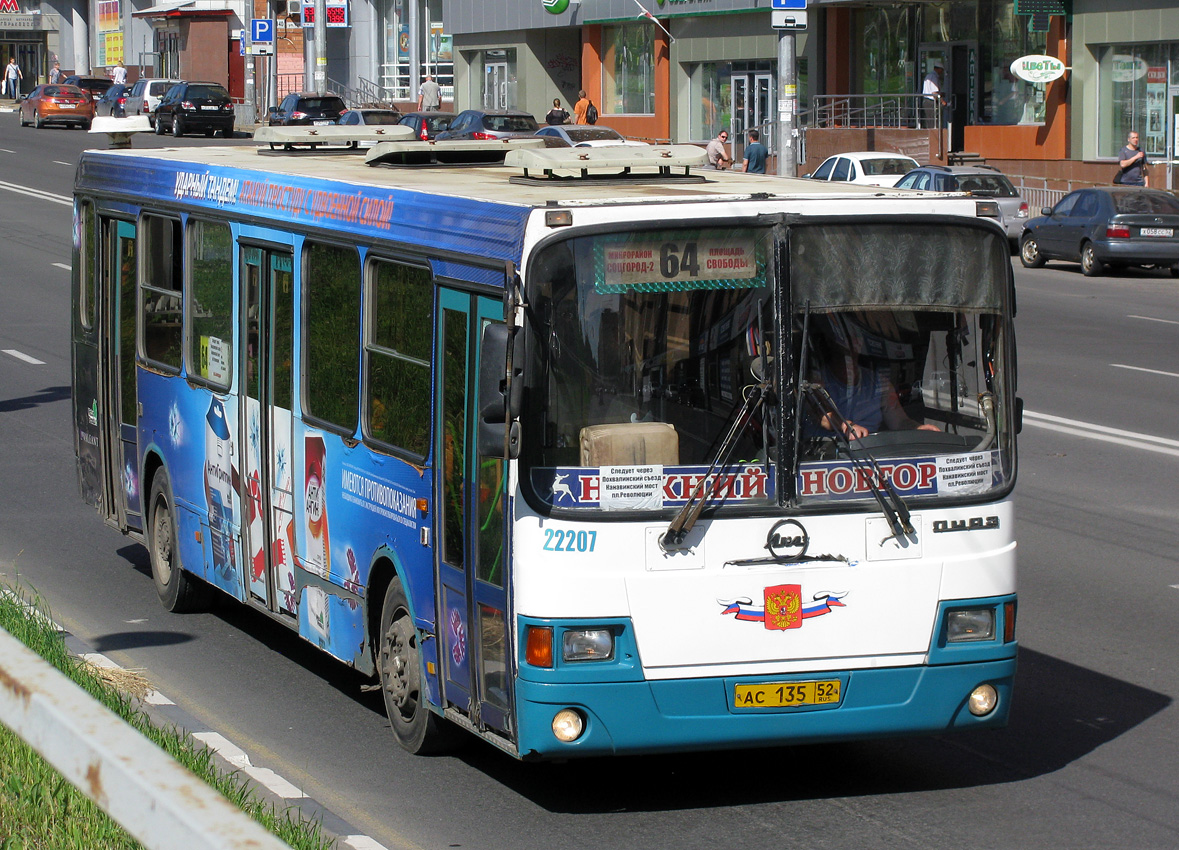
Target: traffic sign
x=787 y=19
x=788 y=4
x=261 y=29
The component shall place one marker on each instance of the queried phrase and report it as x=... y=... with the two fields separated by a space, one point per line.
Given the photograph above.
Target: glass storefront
x=628 y=69
x=493 y=82
x=1132 y=95
x=737 y=96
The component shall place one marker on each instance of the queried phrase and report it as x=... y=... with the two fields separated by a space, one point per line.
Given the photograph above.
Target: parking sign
x=261 y=37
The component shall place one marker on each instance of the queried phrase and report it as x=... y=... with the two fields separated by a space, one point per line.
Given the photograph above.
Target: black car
x=427 y=125
x=94 y=86
x=483 y=125
x=302 y=108
x=193 y=108
x=113 y=102
x=1117 y=226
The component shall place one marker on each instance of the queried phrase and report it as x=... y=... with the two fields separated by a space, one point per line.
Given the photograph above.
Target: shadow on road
x=45 y=396
x=1062 y=713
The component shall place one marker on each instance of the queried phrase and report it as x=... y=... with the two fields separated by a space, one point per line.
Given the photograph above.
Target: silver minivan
x=145 y=96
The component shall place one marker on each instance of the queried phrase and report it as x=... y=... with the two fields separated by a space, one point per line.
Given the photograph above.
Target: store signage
x=1038 y=69
x=1127 y=68
x=9 y=7
x=555 y=7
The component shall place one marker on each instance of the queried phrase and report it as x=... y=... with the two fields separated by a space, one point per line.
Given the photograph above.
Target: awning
x=161 y=10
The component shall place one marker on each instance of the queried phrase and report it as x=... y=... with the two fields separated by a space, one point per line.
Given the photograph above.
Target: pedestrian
x=755 y=154
x=429 y=95
x=718 y=156
x=558 y=114
x=1133 y=164
x=119 y=74
x=12 y=78
x=579 y=108
x=55 y=73
x=931 y=90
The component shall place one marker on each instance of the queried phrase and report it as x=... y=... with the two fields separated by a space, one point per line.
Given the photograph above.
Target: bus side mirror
x=497 y=401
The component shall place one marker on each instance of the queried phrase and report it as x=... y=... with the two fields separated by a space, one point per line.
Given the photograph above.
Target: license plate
x=1156 y=231
x=209 y=108
x=786 y=694
x=321 y=123
x=66 y=105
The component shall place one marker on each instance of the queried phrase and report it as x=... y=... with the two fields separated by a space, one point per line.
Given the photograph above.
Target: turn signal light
x=539 y=646
x=1008 y=622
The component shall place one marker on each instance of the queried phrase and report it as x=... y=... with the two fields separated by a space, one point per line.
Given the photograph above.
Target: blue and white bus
x=583 y=451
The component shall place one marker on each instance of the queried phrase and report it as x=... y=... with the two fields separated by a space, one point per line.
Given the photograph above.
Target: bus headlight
x=983 y=700
x=568 y=725
x=969 y=624
x=588 y=645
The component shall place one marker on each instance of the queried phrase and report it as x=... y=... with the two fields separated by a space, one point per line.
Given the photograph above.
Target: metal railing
x=911 y=111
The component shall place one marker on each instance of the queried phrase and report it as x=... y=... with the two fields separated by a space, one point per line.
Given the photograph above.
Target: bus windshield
x=881 y=356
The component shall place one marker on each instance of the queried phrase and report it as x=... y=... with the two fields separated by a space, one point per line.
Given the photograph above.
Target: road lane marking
x=1145 y=442
x=1153 y=319
x=62 y=266
x=59 y=162
x=20 y=355
x=6 y=150
x=1144 y=369
x=36 y=193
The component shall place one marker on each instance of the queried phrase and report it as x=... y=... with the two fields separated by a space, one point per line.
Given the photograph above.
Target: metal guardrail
x=872 y=110
x=1040 y=196
x=160 y=803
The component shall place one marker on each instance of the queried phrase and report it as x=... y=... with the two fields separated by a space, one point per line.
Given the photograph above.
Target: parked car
x=145 y=96
x=427 y=125
x=582 y=136
x=981 y=180
x=302 y=108
x=195 y=107
x=865 y=168
x=93 y=86
x=57 y=104
x=482 y=124
x=113 y=102
x=370 y=117
x=1115 y=226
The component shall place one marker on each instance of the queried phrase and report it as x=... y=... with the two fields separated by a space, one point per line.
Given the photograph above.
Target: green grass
x=40 y=810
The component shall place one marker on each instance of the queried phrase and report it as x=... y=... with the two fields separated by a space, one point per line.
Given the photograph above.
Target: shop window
x=1004 y=38
x=1132 y=96
x=628 y=67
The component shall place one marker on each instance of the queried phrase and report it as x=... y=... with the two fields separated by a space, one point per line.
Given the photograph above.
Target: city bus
x=584 y=452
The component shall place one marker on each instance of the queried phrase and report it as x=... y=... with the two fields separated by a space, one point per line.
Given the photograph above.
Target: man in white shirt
x=932 y=91
x=429 y=95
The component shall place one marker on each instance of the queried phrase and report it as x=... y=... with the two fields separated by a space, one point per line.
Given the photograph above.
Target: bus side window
x=87 y=238
x=397 y=356
x=210 y=303
x=331 y=355
x=162 y=287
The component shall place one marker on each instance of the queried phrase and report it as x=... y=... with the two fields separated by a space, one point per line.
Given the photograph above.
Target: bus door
x=474 y=640
x=268 y=311
x=122 y=501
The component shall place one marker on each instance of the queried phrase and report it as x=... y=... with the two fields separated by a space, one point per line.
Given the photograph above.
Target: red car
x=57 y=104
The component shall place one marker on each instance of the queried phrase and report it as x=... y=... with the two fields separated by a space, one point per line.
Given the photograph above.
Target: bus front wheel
x=399 y=664
x=178 y=591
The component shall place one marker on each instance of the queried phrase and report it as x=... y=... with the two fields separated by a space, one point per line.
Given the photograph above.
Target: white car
x=866 y=168
x=145 y=96
x=582 y=136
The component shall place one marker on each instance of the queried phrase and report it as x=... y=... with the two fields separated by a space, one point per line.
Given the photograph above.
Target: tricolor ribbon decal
x=783 y=608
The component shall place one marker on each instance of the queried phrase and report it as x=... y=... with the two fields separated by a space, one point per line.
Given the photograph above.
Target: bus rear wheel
x=399 y=664
x=178 y=591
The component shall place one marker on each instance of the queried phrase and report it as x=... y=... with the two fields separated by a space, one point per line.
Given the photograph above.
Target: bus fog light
x=588 y=645
x=568 y=725
x=970 y=624
x=983 y=700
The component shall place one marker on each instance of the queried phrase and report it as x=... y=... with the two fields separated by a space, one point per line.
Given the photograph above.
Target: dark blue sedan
x=1118 y=226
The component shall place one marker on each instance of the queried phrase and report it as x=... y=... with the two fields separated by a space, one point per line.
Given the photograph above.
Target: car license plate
x=66 y=105
x=786 y=694
x=1156 y=231
x=321 y=123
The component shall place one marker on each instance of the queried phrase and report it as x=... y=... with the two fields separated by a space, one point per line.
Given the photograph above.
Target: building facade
x=39 y=32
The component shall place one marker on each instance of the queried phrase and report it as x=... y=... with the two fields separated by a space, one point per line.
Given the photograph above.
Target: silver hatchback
x=981 y=180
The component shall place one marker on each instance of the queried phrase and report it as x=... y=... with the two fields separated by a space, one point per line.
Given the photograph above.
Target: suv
x=981 y=180
x=481 y=124
x=145 y=97
x=189 y=107
x=94 y=86
x=307 y=108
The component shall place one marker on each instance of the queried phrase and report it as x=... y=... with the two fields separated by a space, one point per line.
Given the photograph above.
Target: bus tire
x=178 y=591
x=399 y=665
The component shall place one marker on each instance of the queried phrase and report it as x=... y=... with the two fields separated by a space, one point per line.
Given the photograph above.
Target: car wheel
x=177 y=126
x=159 y=127
x=1175 y=271
x=1090 y=265
x=23 y=122
x=1029 y=253
x=86 y=125
x=38 y=122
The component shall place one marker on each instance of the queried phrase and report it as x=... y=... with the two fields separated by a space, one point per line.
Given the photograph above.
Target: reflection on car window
x=1066 y=205
x=842 y=168
x=824 y=170
x=1086 y=206
x=1146 y=202
x=890 y=165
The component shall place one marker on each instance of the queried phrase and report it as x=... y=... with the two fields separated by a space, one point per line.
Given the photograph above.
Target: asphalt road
x=1087 y=762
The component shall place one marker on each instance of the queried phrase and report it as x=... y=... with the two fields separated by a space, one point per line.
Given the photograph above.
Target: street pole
x=320 y=47
x=249 y=107
x=787 y=105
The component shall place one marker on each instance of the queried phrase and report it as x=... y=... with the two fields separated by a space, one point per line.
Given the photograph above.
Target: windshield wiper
x=890 y=501
x=755 y=397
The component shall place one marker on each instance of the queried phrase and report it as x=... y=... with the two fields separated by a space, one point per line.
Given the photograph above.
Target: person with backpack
x=584 y=111
x=558 y=114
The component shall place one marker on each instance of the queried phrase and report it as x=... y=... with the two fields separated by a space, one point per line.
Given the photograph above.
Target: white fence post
x=159 y=802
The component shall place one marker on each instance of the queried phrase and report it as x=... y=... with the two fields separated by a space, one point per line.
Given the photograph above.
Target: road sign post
x=787 y=17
